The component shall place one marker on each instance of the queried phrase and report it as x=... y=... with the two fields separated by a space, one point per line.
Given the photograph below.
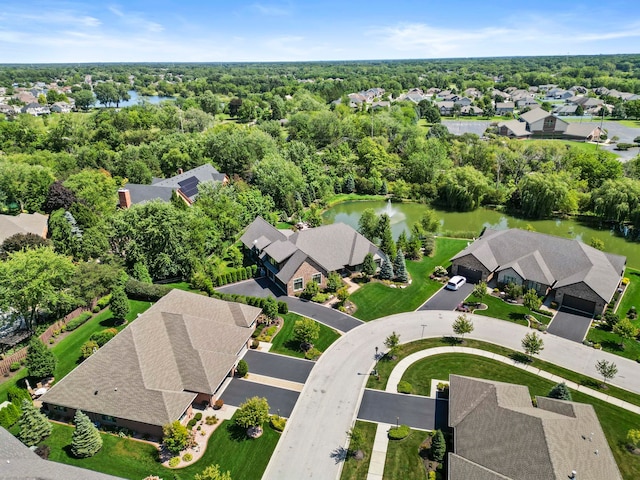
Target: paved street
x=570 y=324
x=448 y=299
x=279 y=398
x=417 y=412
x=261 y=287
x=278 y=366
x=331 y=397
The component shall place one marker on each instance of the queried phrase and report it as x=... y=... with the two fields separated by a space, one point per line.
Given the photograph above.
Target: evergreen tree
x=349 y=185
x=86 y=440
x=400 y=268
x=402 y=241
x=119 y=303
x=369 y=266
x=141 y=273
x=438 y=446
x=387 y=245
x=386 y=270
x=40 y=360
x=34 y=426
x=560 y=391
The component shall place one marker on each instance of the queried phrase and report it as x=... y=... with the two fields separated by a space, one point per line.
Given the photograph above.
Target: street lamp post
x=375 y=369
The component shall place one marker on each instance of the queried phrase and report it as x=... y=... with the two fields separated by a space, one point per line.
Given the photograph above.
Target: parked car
x=456 y=282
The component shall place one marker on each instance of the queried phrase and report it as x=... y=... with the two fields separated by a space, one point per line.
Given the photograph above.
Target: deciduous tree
x=119 y=304
x=462 y=325
x=607 y=369
x=176 y=437
x=253 y=412
x=532 y=344
x=306 y=331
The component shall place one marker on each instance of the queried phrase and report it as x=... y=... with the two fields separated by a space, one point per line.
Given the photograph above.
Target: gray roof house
x=19 y=462
x=539 y=123
x=499 y=435
x=185 y=184
x=579 y=276
x=292 y=259
x=35 y=223
x=513 y=128
x=177 y=353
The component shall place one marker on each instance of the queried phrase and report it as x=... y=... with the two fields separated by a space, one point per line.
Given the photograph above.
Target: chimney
x=124 y=198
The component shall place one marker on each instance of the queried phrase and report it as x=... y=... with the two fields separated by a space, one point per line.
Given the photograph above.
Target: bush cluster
x=398 y=433
x=103 y=302
x=237 y=275
x=277 y=422
x=148 y=292
x=198 y=416
x=14 y=366
x=9 y=415
x=174 y=462
x=187 y=457
x=404 y=387
x=211 y=420
x=103 y=336
x=259 y=302
x=79 y=320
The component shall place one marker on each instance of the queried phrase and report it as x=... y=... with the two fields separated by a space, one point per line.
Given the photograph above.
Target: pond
x=137 y=99
x=403 y=215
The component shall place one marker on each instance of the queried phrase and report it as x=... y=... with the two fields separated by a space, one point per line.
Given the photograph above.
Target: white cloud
x=271 y=10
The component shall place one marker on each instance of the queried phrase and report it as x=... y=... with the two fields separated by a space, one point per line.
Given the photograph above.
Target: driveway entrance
x=448 y=299
x=417 y=412
x=570 y=324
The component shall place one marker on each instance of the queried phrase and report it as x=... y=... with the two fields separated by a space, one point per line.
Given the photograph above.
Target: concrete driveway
x=460 y=127
x=418 y=412
x=570 y=324
x=278 y=366
x=261 y=287
x=280 y=399
x=448 y=299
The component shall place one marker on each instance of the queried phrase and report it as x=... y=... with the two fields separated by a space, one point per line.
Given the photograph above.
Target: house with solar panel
x=184 y=184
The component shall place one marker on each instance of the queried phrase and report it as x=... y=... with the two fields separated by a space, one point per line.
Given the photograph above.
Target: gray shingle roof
x=35 y=223
x=567 y=261
x=527 y=443
x=583 y=130
x=185 y=343
x=518 y=128
x=534 y=115
x=18 y=462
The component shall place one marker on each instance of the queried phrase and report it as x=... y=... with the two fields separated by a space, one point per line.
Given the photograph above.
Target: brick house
x=577 y=275
x=293 y=259
x=176 y=354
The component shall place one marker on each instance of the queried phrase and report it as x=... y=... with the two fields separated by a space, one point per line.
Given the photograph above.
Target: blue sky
x=219 y=30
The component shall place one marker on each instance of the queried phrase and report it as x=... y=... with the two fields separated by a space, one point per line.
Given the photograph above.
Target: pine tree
x=34 y=426
x=400 y=268
x=560 y=391
x=438 y=446
x=86 y=440
x=40 y=360
x=369 y=266
x=386 y=271
x=119 y=303
x=387 y=245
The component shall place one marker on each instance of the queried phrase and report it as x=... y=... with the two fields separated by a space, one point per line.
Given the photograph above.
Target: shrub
x=320 y=297
x=88 y=348
x=52 y=341
x=404 y=387
x=398 y=433
x=175 y=437
x=148 y=292
x=174 y=462
x=198 y=416
x=255 y=343
x=103 y=302
x=187 y=457
x=79 y=320
x=242 y=369
x=16 y=394
x=191 y=423
x=103 y=336
x=283 y=308
x=218 y=404
x=211 y=420
x=277 y=422
x=625 y=281
x=14 y=366
x=9 y=415
x=312 y=354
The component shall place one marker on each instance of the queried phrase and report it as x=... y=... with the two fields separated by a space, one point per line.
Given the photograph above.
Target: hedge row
x=9 y=415
x=237 y=275
x=148 y=292
x=79 y=320
x=259 y=302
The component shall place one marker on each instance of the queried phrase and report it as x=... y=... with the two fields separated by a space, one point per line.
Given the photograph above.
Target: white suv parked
x=456 y=282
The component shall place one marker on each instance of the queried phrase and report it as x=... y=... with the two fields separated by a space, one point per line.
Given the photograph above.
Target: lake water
x=136 y=99
x=403 y=215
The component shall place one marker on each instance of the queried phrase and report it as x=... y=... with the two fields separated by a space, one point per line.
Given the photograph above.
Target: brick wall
x=306 y=271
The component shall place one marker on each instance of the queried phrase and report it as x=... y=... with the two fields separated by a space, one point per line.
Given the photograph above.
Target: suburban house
x=35 y=223
x=577 y=275
x=176 y=354
x=36 y=109
x=539 y=123
x=445 y=107
x=20 y=462
x=7 y=109
x=185 y=184
x=61 y=107
x=499 y=435
x=514 y=129
x=503 y=108
x=293 y=259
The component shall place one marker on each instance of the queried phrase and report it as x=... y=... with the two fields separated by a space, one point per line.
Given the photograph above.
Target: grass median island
x=375 y=300
x=358 y=469
x=284 y=343
x=403 y=460
x=228 y=447
x=615 y=421
x=498 y=308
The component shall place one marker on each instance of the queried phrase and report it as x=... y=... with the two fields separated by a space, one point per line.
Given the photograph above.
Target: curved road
x=311 y=444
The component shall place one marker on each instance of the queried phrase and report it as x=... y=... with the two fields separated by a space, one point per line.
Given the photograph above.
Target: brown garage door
x=579 y=304
x=473 y=276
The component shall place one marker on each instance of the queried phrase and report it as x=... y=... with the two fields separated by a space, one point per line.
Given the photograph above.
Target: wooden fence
x=20 y=355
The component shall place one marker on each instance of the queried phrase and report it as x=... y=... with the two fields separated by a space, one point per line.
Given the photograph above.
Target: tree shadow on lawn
x=292 y=344
x=237 y=433
x=519 y=357
x=517 y=317
x=110 y=322
x=451 y=341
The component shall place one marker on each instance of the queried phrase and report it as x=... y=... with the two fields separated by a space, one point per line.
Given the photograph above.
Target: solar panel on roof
x=189 y=186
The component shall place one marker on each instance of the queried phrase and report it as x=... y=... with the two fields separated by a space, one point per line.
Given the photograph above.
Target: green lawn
x=67 y=351
x=354 y=469
x=610 y=342
x=228 y=447
x=629 y=123
x=333 y=200
x=375 y=300
x=283 y=342
x=498 y=308
x=631 y=296
x=403 y=460
x=615 y=421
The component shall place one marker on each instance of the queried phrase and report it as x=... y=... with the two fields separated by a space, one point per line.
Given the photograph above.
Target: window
x=317 y=278
x=58 y=408
x=108 y=418
x=298 y=284
x=548 y=123
x=508 y=279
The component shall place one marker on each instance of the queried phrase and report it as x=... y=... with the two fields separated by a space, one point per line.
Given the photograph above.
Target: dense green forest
x=287 y=151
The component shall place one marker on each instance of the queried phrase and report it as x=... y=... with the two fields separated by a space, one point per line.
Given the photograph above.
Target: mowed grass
x=284 y=343
x=228 y=447
x=403 y=460
x=610 y=342
x=615 y=421
x=375 y=300
x=498 y=308
x=358 y=469
x=631 y=297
